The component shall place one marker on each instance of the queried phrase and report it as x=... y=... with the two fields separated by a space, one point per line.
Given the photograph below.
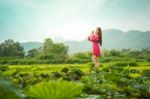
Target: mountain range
x=112 y=39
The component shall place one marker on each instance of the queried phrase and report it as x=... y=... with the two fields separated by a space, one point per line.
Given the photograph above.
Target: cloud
x=75 y=31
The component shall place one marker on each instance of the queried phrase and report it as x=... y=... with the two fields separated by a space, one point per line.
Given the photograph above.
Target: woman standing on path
x=96 y=39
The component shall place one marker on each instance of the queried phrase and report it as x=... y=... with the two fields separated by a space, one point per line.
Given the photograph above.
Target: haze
x=35 y=20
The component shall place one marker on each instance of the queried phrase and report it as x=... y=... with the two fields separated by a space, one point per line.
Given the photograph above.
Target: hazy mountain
x=30 y=45
x=78 y=46
x=112 y=38
x=131 y=39
x=59 y=39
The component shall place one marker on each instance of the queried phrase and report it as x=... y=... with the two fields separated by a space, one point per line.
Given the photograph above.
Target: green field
x=113 y=80
x=47 y=68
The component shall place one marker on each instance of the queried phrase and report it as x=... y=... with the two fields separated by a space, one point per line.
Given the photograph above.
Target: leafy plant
x=55 y=90
x=146 y=73
x=9 y=91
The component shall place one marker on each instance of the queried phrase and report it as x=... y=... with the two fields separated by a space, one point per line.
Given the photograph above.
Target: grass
x=141 y=68
x=47 y=68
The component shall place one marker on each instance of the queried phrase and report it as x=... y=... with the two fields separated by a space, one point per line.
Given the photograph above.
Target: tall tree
x=32 y=52
x=54 y=50
x=47 y=46
x=60 y=50
x=9 y=48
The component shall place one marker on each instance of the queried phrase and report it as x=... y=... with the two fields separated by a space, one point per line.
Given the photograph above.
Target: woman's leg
x=97 y=62
x=94 y=59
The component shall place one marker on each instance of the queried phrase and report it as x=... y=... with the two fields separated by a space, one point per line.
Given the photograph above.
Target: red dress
x=96 y=50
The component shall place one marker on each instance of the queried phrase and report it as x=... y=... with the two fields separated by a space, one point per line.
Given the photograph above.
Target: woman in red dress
x=96 y=39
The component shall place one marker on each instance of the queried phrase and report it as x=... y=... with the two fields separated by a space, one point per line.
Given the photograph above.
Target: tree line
x=48 y=50
x=51 y=52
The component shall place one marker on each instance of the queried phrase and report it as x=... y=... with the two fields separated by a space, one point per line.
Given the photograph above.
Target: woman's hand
x=91 y=36
x=92 y=32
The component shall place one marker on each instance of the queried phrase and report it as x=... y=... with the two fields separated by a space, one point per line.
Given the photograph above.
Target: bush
x=8 y=91
x=148 y=59
x=65 y=70
x=106 y=60
x=126 y=64
x=146 y=73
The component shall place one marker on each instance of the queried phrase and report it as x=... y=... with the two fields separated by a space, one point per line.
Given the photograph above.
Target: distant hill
x=30 y=45
x=112 y=38
x=78 y=46
x=59 y=39
x=132 y=39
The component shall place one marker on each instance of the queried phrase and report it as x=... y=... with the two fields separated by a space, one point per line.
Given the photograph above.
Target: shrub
x=126 y=63
x=65 y=70
x=148 y=59
x=76 y=73
x=106 y=60
x=146 y=73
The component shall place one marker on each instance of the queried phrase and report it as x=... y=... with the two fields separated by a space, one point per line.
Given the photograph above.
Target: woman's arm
x=90 y=37
x=93 y=38
x=92 y=33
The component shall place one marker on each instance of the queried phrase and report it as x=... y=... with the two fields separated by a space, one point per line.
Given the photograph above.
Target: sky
x=35 y=20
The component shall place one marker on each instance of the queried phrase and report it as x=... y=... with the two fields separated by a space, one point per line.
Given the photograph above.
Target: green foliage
x=68 y=74
x=3 y=69
x=115 y=82
x=58 y=53
x=47 y=45
x=8 y=91
x=81 y=55
x=32 y=53
x=11 y=49
x=130 y=63
x=127 y=53
x=65 y=70
x=51 y=50
x=55 y=90
x=146 y=73
x=148 y=59
x=111 y=81
x=76 y=73
x=48 y=50
x=46 y=56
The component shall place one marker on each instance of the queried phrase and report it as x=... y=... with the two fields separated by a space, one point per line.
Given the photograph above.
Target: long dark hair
x=100 y=35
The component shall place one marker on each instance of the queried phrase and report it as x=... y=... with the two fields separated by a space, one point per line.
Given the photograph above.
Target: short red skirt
x=96 y=50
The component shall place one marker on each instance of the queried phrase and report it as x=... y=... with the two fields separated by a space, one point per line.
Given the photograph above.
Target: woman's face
x=96 y=31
